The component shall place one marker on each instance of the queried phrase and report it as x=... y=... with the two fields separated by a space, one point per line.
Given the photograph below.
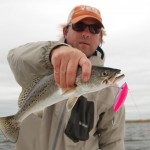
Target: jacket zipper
x=59 y=127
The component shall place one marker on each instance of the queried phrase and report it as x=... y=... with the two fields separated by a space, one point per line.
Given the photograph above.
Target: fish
x=44 y=92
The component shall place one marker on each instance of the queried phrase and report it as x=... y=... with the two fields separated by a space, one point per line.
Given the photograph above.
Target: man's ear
x=65 y=30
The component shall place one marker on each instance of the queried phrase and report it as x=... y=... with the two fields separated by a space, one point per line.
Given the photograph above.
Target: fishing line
x=132 y=98
x=145 y=126
x=134 y=104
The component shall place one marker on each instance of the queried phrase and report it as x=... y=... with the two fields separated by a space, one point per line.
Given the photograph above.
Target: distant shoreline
x=137 y=121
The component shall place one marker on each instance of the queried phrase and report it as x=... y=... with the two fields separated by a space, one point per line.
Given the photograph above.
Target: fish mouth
x=115 y=77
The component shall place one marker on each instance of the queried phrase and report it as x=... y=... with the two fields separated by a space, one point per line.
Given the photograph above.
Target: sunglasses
x=80 y=26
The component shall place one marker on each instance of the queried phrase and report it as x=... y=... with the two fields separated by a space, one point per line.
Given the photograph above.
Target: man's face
x=84 y=40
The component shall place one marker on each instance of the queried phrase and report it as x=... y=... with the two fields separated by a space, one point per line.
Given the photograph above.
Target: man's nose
x=86 y=33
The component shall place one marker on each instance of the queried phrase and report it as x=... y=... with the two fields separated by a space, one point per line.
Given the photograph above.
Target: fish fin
x=66 y=91
x=63 y=91
x=71 y=102
x=25 y=92
x=9 y=127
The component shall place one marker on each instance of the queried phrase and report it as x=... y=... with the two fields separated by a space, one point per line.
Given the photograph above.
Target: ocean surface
x=137 y=137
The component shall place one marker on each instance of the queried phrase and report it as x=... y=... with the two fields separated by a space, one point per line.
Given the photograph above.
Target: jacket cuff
x=49 y=51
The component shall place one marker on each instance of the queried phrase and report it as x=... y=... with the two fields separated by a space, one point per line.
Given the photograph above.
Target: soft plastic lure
x=121 y=97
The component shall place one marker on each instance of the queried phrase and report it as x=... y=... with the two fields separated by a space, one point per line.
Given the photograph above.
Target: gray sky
x=127 y=44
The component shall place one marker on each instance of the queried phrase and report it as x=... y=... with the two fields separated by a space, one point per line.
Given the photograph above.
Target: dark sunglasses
x=80 y=26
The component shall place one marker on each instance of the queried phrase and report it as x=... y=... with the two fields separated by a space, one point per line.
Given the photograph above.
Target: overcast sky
x=127 y=44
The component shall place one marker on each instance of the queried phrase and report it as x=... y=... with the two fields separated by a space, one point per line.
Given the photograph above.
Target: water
x=137 y=137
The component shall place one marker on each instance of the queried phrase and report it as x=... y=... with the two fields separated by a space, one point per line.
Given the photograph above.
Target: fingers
x=59 y=59
x=56 y=61
x=86 y=68
x=72 y=70
x=66 y=62
x=76 y=61
x=63 y=71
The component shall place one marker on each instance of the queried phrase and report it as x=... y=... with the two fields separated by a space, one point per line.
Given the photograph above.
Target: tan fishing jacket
x=56 y=129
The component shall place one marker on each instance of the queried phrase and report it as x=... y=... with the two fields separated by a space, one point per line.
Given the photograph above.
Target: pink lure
x=121 y=97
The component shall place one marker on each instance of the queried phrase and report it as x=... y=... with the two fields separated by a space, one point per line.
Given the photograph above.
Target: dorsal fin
x=25 y=92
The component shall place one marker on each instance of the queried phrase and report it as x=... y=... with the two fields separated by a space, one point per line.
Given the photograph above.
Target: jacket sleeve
x=31 y=60
x=111 y=128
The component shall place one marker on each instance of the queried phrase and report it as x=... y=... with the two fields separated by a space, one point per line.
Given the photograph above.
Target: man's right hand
x=65 y=61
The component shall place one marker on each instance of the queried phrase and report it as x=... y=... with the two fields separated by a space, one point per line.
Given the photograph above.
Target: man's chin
x=86 y=52
x=84 y=47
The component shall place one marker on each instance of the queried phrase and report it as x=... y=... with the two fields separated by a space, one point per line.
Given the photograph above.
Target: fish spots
x=26 y=91
x=9 y=127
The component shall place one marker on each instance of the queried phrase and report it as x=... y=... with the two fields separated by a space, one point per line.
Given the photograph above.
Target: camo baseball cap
x=83 y=11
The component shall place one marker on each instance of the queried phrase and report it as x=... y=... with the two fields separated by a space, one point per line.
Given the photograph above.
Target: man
x=54 y=128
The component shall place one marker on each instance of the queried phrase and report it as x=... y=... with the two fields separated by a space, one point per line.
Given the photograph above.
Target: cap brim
x=77 y=19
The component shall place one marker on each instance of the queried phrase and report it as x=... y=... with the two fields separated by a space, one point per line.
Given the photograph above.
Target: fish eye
x=104 y=73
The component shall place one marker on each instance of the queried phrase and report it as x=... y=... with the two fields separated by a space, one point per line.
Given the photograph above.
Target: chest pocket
x=81 y=120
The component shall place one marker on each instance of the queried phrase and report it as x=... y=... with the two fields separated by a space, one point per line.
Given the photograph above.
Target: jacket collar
x=98 y=58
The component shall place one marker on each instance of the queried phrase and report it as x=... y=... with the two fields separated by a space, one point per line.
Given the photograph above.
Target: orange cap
x=83 y=11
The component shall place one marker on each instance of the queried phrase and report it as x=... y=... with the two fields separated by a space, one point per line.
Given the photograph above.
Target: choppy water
x=137 y=138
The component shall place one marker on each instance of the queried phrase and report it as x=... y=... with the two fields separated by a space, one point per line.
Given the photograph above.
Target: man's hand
x=65 y=61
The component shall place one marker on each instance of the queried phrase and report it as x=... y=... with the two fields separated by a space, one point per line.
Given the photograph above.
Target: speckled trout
x=45 y=92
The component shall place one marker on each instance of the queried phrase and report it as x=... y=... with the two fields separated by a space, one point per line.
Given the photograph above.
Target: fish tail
x=9 y=127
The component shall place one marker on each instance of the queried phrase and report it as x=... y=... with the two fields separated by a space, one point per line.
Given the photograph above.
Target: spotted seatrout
x=46 y=92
